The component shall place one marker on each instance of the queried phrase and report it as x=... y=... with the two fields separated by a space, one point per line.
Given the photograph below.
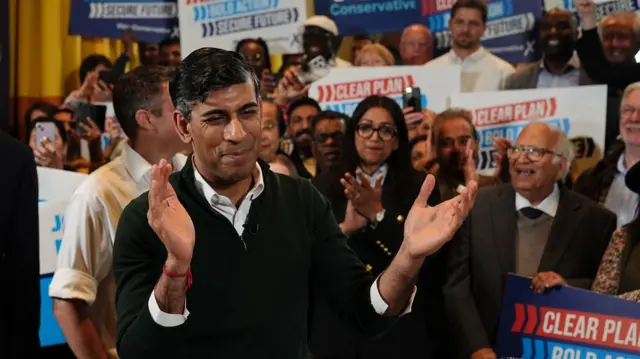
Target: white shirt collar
x=620 y=166
x=216 y=199
x=475 y=57
x=140 y=169
x=383 y=170
x=549 y=205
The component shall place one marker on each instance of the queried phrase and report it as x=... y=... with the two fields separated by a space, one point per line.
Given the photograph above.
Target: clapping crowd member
x=227 y=213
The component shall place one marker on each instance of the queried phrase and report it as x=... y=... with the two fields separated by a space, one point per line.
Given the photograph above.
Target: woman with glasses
x=371 y=191
x=619 y=272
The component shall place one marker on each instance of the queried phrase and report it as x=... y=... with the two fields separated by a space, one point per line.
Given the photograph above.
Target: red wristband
x=179 y=275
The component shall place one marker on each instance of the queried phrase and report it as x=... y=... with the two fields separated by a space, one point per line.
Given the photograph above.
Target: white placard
x=223 y=23
x=603 y=7
x=55 y=188
x=578 y=111
x=343 y=89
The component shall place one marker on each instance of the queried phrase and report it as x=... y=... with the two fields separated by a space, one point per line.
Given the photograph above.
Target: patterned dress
x=608 y=278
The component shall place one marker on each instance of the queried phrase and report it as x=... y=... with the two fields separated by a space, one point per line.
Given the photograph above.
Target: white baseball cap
x=324 y=23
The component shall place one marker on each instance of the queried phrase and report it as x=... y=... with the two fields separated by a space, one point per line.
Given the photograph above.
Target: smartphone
x=412 y=98
x=97 y=113
x=313 y=70
x=107 y=76
x=45 y=129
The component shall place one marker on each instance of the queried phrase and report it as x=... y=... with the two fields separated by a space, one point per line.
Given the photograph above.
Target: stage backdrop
x=578 y=111
x=224 y=23
x=342 y=89
x=149 y=20
x=566 y=323
x=55 y=188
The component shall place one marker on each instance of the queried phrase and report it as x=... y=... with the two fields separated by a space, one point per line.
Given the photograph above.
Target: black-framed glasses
x=324 y=137
x=385 y=132
x=533 y=154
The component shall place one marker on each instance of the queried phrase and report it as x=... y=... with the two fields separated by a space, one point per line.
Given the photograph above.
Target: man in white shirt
x=481 y=70
x=83 y=285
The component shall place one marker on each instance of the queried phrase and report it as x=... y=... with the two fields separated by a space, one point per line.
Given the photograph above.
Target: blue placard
x=149 y=20
x=373 y=16
x=566 y=323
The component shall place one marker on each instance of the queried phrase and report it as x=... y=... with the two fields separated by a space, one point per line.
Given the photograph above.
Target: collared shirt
x=382 y=171
x=620 y=199
x=238 y=216
x=569 y=77
x=84 y=269
x=549 y=205
x=481 y=71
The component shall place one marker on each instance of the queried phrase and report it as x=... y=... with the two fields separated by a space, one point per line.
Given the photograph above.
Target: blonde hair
x=376 y=49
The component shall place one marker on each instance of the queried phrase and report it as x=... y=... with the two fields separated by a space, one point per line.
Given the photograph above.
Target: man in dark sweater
x=243 y=244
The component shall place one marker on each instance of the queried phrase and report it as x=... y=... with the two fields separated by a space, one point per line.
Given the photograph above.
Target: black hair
x=282 y=124
x=329 y=115
x=91 y=62
x=140 y=89
x=399 y=161
x=480 y=5
x=168 y=41
x=261 y=43
x=206 y=70
x=449 y=114
x=46 y=107
x=363 y=37
x=59 y=126
x=302 y=101
x=64 y=110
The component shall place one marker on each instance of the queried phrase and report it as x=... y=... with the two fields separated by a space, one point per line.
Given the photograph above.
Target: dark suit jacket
x=484 y=252
x=19 y=256
x=527 y=78
x=411 y=337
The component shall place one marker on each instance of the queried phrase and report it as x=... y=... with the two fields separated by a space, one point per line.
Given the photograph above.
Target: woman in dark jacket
x=619 y=272
x=371 y=192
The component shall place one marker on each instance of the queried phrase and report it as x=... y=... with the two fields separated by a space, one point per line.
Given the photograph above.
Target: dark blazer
x=527 y=78
x=483 y=252
x=410 y=337
x=19 y=256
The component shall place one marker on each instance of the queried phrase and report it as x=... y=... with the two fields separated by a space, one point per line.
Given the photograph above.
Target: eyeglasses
x=385 y=132
x=324 y=137
x=629 y=110
x=533 y=154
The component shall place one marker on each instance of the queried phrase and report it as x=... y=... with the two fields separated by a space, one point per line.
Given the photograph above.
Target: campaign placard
x=355 y=17
x=223 y=23
x=577 y=111
x=343 y=89
x=603 y=7
x=566 y=323
x=149 y=20
x=55 y=188
x=512 y=32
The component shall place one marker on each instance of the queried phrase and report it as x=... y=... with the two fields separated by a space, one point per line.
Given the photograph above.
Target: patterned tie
x=531 y=213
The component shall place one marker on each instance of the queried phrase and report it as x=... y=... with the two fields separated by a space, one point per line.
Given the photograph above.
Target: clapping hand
x=353 y=221
x=469 y=166
x=428 y=228
x=169 y=219
x=366 y=199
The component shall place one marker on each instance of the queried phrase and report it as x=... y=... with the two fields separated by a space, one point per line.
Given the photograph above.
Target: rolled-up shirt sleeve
x=84 y=259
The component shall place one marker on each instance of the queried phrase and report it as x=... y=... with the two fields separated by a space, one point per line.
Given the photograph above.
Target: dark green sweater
x=244 y=303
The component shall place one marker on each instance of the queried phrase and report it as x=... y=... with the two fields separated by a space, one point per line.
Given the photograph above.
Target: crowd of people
x=227 y=215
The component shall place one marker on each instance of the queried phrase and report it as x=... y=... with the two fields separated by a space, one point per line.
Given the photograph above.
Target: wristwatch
x=378 y=218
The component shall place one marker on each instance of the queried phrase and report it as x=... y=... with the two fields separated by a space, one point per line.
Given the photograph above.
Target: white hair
x=563 y=147
x=630 y=88
x=623 y=16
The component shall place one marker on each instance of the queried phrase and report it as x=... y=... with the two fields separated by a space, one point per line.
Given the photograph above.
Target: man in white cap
x=321 y=37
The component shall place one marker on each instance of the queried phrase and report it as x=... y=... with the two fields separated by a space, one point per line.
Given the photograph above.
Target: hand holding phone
x=412 y=98
x=45 y=130
x=90 y=118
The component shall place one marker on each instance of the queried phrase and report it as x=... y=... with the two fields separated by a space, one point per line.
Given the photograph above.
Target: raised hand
x=290 y=87
x=367 y=199
x=46 y=155
x=469 y=167
x=428 y=228
x=587 y=11
x=90 y=131
x=168 y=218
x=353 y=221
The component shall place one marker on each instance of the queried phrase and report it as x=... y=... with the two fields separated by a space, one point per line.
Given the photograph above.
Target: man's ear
x=182 y=126
x=144 y=121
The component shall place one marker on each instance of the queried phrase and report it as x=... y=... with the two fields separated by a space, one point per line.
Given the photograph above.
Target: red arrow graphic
x=519 y=322
x=532 y=319
x=320 y=94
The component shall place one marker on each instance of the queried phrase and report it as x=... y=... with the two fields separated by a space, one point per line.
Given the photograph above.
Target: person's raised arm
x=152 y=258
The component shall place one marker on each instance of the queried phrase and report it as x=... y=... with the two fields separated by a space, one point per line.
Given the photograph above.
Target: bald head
x=416 y=45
